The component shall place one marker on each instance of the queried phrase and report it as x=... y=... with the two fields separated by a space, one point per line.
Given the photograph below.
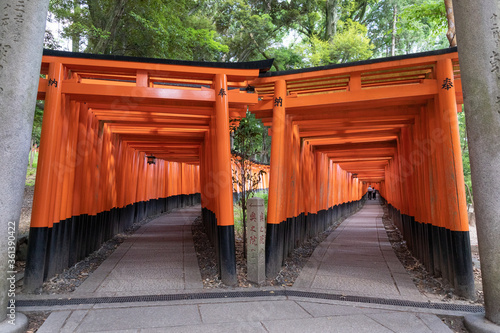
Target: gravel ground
x=35 y=320
x=456 y=324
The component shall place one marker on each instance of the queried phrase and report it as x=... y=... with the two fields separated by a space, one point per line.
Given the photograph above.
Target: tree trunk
x=452 y=38
x=111 y=26
x=21 y=44
x=244 y=206
x=394 y=31
x=331 y=18
x=75 y=38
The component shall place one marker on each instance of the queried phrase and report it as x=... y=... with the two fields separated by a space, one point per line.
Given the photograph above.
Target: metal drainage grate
x=384 y=301
x=240 y=294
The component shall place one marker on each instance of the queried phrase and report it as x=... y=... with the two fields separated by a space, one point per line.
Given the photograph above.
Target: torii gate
x=390 y=123
x=105 y=118
x=386 y=122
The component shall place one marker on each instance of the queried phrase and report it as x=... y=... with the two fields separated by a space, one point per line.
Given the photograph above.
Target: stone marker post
x=21 y=38
x=478 y=38
x=256 y=241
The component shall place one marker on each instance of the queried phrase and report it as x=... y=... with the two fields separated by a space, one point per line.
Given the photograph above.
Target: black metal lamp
x=151 y=159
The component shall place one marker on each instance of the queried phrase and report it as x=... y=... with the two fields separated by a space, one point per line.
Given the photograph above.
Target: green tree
x=351 y=44
x=147 y=28
x=420 y=25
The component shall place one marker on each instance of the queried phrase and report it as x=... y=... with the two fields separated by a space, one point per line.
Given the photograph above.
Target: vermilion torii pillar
x=44 y=186
x=457 y=221
x=275 y=211
x=223 y=180
x=478 y=37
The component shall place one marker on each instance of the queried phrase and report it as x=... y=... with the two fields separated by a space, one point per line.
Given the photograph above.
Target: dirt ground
x=35 y=320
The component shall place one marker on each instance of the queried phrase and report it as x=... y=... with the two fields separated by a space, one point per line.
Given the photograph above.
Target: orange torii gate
x=125 y=138
x=390 y=123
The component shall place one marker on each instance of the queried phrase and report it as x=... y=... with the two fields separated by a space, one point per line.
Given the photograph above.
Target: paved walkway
x=159 y=258
x=356 y=259
x=278 y=315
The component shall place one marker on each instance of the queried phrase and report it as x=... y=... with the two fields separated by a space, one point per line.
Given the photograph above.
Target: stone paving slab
x=408 y=322
x=55 y=322
x=241 y=327
x=251 y=311
x=344 y=324
x=325 y=310
x=138 y=318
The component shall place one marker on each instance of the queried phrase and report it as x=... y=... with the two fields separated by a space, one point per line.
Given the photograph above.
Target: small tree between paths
x=247 y=136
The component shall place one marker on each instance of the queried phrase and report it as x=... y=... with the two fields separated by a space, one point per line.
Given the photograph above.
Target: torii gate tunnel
x=390 y=123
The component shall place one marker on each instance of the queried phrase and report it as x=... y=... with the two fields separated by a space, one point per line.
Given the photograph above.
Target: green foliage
x=428 y=13
x=37 y=122
x=147 y=28
x=352 y=44
x=420 y=26
x=238 y=213
x=287 y=58
x=247 y=135
x=265 y=196
x=31 y=171
x=296 y=33
x=238 y=220
x=465 y=157
x=348 y=45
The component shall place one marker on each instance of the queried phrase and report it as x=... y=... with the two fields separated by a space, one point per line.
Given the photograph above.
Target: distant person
x=374 y=193
x=370 y=191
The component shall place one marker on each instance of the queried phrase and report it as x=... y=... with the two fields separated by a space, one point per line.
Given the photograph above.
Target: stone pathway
x=242 y=315
x=357 y=259
x=159 y=258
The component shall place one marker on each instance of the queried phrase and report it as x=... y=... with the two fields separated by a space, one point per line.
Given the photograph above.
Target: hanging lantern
x=151 y=159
